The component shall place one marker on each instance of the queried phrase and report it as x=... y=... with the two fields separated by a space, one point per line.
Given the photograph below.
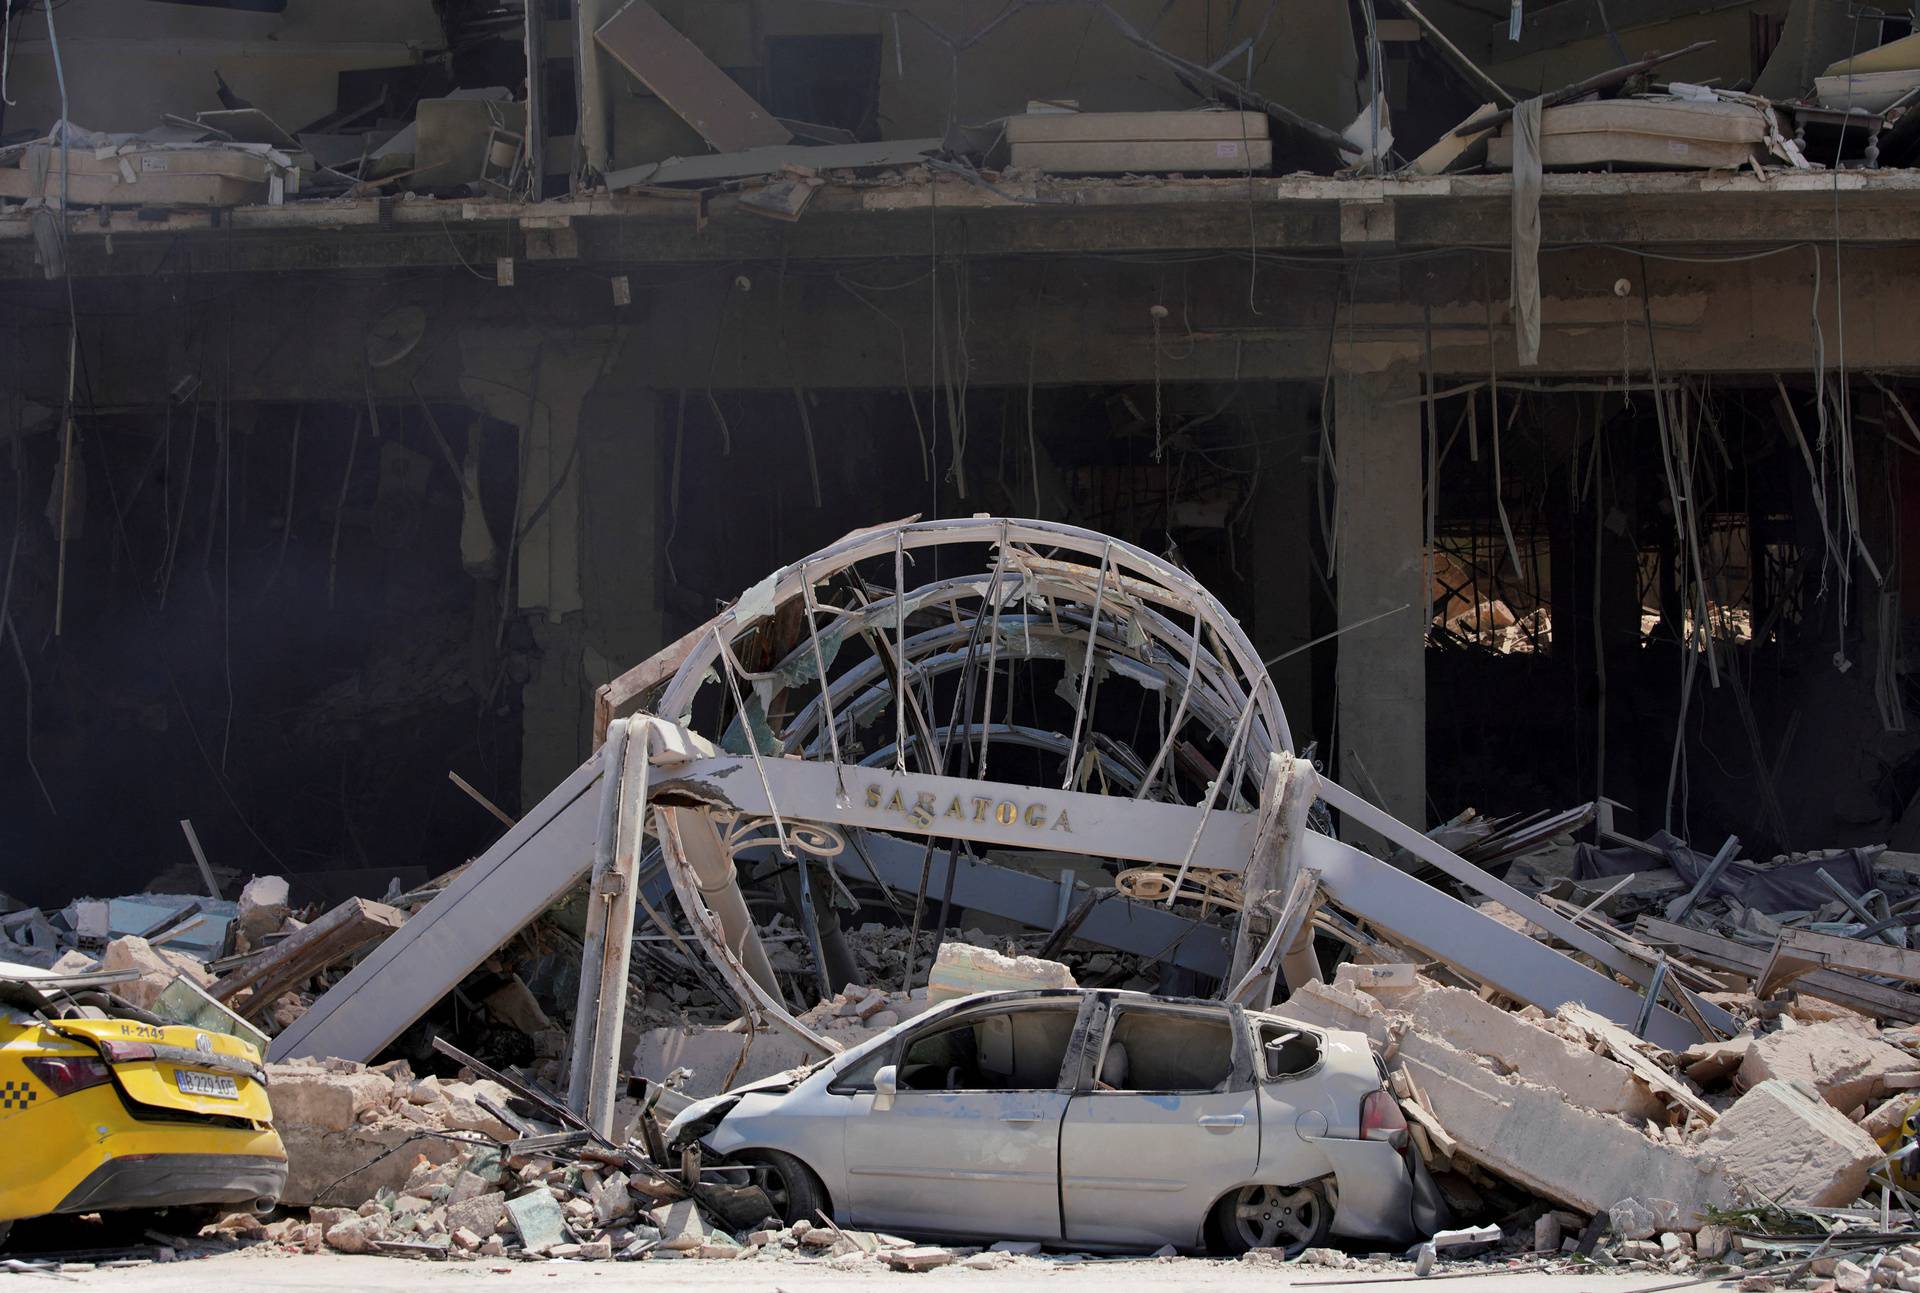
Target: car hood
x=705 y=1112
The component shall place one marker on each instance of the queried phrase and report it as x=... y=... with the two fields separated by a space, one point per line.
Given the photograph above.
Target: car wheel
x=5 y=1228
x=1290 y=1218
x=790 y=1186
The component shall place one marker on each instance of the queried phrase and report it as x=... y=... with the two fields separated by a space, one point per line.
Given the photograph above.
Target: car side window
x=859 y=1077
x=1166 y=1051
x=1286 y=1052
x=1006 y=1050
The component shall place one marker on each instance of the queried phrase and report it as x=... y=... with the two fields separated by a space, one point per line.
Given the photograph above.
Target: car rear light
x=65 y=1075
x=1381 y=1119
x=125 y=1052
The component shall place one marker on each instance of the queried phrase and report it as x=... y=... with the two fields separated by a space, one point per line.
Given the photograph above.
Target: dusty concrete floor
x=332 y=1273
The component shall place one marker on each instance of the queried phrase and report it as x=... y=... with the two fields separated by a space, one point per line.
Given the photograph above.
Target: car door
x=971 y=1142
x=1166 y=1120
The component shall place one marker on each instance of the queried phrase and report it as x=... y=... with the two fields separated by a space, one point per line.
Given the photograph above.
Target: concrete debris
x=960 y=969
x=337 y=1118
x=157 y=967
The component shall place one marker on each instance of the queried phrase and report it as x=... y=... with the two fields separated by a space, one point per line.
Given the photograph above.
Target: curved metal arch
x=1125 y=770
x=804 y=733
x=798 y=664
x=1142 y=576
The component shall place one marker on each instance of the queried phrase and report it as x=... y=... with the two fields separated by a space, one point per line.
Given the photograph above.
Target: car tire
x=790 y=1185
x=1289 y=1218
x=6 y=1228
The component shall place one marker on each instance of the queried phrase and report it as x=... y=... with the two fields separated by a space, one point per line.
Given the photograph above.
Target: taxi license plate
x=215 y=1085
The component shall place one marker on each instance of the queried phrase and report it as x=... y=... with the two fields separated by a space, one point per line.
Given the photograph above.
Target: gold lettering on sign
x=925 y=809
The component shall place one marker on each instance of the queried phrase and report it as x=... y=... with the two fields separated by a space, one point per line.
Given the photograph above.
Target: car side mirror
x=886 y=1084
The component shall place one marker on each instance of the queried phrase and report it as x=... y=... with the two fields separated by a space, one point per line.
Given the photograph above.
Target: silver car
x=1096 y=1119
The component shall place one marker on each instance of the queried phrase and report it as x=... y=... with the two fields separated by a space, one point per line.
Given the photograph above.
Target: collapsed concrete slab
x=1533 y=1135
x=1512 y=1043
x=1782 y=1134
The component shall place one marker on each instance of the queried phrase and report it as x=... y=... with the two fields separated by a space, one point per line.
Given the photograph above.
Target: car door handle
x=1019 y=1117
x=1223 y=1120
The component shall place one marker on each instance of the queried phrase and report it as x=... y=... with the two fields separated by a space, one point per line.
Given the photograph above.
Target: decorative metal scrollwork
x=742 y=833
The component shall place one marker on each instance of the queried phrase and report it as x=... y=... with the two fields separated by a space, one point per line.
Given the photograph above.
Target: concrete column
x=1283 y=583
x=1380 y=564
x=584 y=564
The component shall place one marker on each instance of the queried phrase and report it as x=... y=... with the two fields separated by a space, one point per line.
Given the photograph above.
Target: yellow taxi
x=122 y=1111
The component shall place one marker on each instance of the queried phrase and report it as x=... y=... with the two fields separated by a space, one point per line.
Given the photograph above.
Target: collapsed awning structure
x=923 y=705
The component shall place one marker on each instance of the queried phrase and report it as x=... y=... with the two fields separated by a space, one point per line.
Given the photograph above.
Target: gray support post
x=593 y=943
x=614 y=892
x=1380 y=564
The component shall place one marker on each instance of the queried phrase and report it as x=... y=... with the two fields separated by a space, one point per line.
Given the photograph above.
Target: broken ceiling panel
x=688 y=81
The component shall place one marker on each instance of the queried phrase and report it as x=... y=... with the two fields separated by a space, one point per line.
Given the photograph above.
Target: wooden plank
x=1726 y=954
x=1799 y=952
x=687 y=81
x=335 y=936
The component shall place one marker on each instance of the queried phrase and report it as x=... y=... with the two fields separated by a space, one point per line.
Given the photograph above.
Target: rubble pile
x=344 y=1124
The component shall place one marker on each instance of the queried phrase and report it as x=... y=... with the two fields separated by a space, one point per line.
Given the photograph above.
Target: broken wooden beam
x=337 y=935
x=1801 y=952
x=1726 y=954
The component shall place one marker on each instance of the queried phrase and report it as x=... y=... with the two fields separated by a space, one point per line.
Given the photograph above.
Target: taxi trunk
x=116 y=1113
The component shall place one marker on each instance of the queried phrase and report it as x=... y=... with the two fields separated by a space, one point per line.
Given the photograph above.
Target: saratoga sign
x=924 y=809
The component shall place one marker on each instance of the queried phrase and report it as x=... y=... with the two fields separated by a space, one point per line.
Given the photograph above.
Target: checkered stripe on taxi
x=17 y=1095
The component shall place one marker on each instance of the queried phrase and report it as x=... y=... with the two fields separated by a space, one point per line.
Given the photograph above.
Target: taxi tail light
x=125 y=1052
x=1381 y=1119
x=67 y=1074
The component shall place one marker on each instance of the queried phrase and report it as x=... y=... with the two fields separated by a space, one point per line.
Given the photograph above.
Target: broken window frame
x=895 y=1050
x=1267 y=1076
x=1241 y=1073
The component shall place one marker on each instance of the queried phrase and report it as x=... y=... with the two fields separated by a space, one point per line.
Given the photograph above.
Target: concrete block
x=681 y=1226
x=960 y=969
x=156 y=965
x=1781 y=1138
x=538 y=1220
x=356 y=1234
x=1631 y=1219
x=612 y=1200
x=1846 y=1067
x=483 y=1214
x=307 y=1097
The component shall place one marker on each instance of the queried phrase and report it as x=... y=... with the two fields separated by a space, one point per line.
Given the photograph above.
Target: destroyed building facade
x=1529 y=397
